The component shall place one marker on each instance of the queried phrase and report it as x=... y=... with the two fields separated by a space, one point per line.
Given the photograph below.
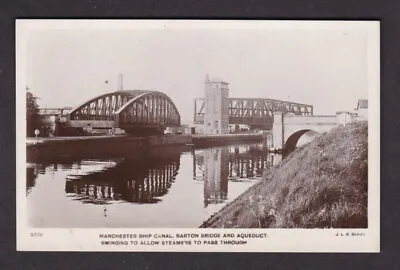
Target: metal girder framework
x=253 y=111
x=54 y=111
x=103 y=107
x=127 y=108
x=150 y=109
x=199 y=109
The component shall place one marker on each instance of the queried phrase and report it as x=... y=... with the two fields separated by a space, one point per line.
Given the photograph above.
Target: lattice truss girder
x=130 y=107
x=151 y=109
x=101 y=108
x=257 y=109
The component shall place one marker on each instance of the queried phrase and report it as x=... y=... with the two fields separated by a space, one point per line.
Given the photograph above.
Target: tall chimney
x=120 y=82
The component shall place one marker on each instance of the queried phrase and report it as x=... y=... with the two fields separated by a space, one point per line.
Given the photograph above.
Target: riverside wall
x=109 y=146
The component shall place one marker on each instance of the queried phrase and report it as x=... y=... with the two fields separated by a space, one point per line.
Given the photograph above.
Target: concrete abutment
x=287 y=129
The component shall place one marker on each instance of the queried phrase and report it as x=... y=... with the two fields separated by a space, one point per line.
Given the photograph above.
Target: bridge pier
x=278 y=131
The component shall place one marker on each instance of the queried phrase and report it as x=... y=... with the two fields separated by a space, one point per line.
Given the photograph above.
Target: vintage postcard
x=211 y=136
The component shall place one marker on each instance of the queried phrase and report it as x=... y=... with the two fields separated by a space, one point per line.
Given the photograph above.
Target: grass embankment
x=320 y=185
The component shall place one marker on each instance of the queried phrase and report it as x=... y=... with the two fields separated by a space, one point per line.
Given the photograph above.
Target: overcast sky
x=324 y=68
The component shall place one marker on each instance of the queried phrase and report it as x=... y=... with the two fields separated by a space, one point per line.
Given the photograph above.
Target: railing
x=316 y=119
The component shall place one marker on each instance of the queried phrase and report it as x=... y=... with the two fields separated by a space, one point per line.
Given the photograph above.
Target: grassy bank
x=321 y=185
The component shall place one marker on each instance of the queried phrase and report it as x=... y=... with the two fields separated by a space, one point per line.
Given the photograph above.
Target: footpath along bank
x=323 y=184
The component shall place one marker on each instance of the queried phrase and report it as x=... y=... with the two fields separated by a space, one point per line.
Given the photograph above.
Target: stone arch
x=293 y=139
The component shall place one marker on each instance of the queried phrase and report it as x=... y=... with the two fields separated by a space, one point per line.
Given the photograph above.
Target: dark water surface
x=164 y=189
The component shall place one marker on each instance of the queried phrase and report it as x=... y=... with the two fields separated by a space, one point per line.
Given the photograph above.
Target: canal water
x=167 y=188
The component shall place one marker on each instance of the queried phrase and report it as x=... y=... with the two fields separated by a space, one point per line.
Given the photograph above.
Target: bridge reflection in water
x=217 y=166
x=31 y=175
x=131 y=180
x=164 y=188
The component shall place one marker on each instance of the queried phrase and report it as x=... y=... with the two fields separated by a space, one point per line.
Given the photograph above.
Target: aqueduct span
x=287 y=129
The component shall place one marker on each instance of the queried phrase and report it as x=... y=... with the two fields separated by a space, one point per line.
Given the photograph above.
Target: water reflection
x=216 y=176
x=33 y=171
x=31 y=175
x=131 y=180
x=156 y=188
x=217 y=166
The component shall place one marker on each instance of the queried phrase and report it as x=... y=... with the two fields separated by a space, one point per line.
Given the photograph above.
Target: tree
x=33 y=119
x=32 y=114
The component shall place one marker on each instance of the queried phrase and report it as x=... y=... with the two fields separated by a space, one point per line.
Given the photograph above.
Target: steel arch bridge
x=127 y=109
x=254 y=112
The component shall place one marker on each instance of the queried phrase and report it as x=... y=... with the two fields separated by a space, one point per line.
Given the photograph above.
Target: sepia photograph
x=181 y=135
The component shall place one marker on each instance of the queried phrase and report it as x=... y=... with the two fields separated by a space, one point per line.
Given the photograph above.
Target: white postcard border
x=276 y=240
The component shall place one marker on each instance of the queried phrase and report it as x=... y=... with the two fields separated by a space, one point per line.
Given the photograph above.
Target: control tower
x=216 y=117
